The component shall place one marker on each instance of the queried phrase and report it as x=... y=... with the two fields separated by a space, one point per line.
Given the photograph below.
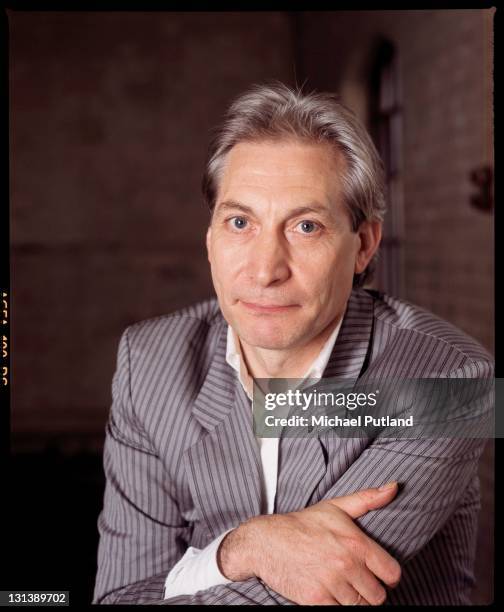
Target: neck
x=287 y=363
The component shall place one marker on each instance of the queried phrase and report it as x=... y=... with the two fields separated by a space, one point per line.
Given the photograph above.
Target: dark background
x=109 y=121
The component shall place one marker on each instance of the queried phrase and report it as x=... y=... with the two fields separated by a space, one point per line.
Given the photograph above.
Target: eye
x=308 y=227
x=238 y=222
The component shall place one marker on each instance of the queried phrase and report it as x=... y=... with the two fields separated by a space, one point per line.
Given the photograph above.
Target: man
x=199 y=510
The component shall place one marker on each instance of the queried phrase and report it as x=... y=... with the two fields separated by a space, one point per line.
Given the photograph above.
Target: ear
x=208 y=241
x=370 y=233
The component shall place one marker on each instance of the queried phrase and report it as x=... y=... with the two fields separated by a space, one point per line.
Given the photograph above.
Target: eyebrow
x=314 y=207
x=231 y=205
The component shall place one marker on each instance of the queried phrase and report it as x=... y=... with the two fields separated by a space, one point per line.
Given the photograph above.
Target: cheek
x=327 y=276
x=325 y=266
x=225 y=262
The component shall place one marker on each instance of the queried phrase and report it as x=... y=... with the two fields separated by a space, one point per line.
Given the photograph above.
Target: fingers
x=383 y=566
x=346 y=595
x=318 y=596
x=365 y=583
x=360 y=502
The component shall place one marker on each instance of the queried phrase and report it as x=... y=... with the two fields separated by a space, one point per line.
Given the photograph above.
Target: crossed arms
x=141 y=541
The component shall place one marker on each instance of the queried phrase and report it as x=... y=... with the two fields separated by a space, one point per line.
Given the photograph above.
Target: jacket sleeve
x=435 y=475
x=142 y=532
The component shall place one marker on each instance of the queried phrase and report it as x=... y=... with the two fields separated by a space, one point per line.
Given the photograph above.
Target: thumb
x=360 y=502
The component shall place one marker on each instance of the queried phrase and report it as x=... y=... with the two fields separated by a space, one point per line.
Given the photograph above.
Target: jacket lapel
x=302 y=462
x=223 y=467
x=350 y=352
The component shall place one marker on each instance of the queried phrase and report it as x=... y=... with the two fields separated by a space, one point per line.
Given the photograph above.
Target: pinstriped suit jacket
x=182 y=463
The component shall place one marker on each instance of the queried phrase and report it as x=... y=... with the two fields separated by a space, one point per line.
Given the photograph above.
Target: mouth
x=268 y=308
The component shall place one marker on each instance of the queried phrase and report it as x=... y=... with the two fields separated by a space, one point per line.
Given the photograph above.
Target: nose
x=269 y=259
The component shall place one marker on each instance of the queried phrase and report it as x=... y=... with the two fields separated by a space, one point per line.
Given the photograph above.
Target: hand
x=317 y=555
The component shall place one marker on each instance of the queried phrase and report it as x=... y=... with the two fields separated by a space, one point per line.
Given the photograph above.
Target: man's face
x=280 y=244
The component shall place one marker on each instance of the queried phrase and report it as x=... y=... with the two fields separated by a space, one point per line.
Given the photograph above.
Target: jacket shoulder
x=431 y=339
x=206 y=312
x=163 y=347
x=176 y=327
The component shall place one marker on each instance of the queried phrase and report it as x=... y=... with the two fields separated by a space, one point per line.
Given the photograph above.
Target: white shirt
x=197 y=569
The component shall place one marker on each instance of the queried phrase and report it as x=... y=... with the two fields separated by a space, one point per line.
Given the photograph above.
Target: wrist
x=236 y=553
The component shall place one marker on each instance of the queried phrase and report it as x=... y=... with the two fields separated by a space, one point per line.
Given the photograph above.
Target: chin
x=270 y=344
x=275 y=340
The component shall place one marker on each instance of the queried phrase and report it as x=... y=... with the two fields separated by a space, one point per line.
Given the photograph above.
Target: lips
x=268 y=308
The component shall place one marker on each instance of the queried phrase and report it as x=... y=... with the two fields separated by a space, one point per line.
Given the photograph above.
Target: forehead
x=287 y=169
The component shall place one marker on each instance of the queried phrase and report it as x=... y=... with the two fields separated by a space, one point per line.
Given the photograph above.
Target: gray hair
x=277 y=112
